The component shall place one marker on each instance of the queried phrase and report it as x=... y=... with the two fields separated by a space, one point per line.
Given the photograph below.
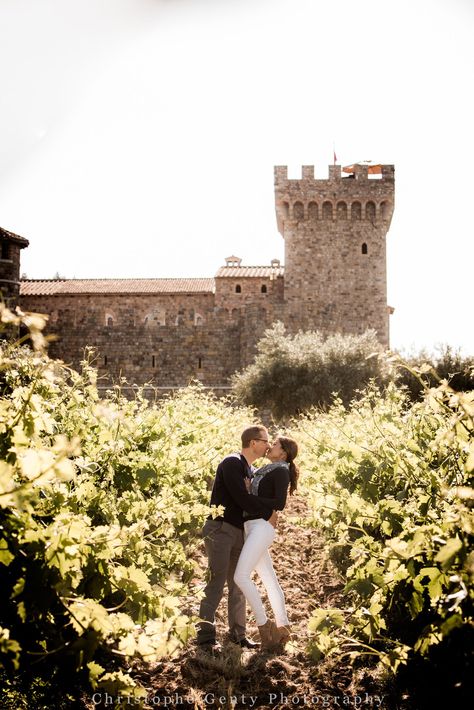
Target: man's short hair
x=252 y=432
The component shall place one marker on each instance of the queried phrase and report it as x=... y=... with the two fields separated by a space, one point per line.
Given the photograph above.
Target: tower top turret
x=335 y=253
x=358 y=171
x=364 y=183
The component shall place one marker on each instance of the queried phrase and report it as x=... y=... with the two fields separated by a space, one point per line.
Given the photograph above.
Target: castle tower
x=10 y=246
x=335 y=255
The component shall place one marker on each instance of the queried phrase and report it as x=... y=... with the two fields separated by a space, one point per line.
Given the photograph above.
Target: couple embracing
x=237 y=543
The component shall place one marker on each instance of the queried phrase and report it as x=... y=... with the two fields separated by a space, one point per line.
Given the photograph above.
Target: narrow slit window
x=199 y=363
x=153 y=363
x=238 y=288
x=105 y=360
x=364 y=248
x=263 y=289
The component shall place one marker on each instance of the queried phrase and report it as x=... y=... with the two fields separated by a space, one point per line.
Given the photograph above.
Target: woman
x=270 y=481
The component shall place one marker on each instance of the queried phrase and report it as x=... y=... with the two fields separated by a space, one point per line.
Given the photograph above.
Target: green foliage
x=36 y=693
x=292 y=373
x=447 y=364
x=100 y=505
x=391 y=484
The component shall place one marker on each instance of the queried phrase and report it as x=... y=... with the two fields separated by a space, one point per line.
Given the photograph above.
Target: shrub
x=293 y=373
x=448 y=364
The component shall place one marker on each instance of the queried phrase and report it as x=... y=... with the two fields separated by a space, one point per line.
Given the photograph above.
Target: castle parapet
x=365 y=192
x=281 y=173
x=359 y=171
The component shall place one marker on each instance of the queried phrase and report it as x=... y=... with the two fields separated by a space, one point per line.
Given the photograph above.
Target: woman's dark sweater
x=274 y=484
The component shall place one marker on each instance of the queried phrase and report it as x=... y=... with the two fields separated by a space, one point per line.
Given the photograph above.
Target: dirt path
x=246 y=679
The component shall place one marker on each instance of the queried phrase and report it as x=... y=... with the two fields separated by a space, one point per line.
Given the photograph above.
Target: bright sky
x=138 y=137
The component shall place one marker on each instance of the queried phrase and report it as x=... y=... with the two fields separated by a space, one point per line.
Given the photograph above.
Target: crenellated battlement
x=359 y=171
x=335 y=255
x=358 y=196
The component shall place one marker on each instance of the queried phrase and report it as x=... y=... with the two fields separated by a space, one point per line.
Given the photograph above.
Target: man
x=224 y=537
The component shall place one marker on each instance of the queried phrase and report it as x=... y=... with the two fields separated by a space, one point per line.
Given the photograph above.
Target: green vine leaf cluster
x=391 y=484
x=101 y=504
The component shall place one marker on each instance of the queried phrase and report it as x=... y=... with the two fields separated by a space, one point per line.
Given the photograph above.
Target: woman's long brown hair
x=290 y=447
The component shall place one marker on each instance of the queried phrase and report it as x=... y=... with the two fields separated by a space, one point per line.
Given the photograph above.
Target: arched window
x=109 y=320
x=263 y=289
x=356 y=211
x=370 y=211
x=198 y=319
x=298 y=210
x=313 y=212
x=364 y=248
x=327 y=210
x=286 y=210
x=238 y=288
x=341 y=210
x=384 y=210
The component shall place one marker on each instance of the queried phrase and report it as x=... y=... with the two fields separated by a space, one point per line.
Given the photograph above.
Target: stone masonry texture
x=169 y=332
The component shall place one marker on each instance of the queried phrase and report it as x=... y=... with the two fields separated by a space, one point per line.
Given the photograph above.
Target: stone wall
x=334 y=280
x=9 y=271
x=130 y=339
x=335 y=254
x=236 y=292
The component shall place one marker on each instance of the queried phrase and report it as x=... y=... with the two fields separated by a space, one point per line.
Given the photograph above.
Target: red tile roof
x=57 y=287
x=108 y=286
x=240 y=272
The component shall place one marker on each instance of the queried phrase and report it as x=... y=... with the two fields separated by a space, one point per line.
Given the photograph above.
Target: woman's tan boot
x=285 y=634
x=269 y=635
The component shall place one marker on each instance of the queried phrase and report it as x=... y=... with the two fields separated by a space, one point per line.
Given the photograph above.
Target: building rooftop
x=240 y=272
x=57 y=287
x=53 y=287
x=10 y=236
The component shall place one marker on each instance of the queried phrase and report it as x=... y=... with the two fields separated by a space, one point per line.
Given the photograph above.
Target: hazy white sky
x=138 y=137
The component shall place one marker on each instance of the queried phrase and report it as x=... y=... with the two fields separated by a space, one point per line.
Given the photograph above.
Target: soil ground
x=245 y=679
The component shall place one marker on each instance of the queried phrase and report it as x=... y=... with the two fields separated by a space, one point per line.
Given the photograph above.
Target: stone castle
x=169 y=331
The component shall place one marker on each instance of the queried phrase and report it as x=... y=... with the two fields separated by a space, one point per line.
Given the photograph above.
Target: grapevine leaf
x=448 y=552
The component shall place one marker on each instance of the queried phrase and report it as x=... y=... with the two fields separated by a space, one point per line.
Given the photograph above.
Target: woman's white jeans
x=259 y=535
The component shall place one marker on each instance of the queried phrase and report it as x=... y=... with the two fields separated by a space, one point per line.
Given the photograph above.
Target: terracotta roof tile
x=240 y=272
x=108 y=286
